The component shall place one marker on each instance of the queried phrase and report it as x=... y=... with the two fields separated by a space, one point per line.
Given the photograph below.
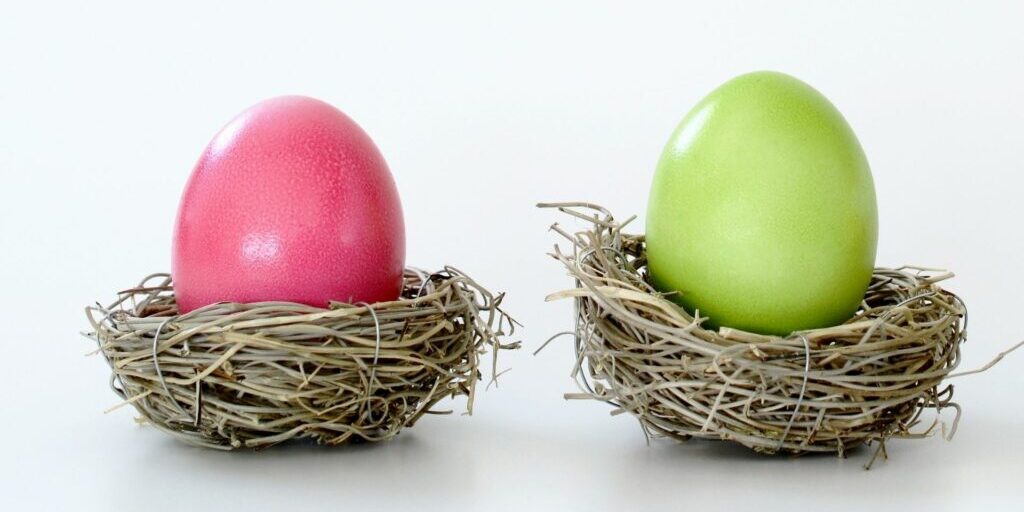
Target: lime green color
x=762 y=212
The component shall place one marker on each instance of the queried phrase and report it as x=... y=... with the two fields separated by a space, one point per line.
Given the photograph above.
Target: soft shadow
x=725 y=450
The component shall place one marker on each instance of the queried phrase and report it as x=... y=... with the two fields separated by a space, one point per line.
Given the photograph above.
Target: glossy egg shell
x=291 y=201
x=762 y=211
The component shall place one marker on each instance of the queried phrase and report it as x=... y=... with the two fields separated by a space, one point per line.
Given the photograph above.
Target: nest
x=820 y=390
x=252 y=375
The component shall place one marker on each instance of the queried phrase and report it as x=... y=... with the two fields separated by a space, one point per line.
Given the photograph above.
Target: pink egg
x=291 y=201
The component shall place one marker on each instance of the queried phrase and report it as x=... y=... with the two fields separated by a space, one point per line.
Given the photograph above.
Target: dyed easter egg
x=291 y=201
x=762 y=211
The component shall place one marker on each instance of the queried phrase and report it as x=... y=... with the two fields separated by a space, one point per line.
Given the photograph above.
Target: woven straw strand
x=252 y=375
x=822 y=390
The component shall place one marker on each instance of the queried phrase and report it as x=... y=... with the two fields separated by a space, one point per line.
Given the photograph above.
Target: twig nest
x=252 y=375
x=821 y=390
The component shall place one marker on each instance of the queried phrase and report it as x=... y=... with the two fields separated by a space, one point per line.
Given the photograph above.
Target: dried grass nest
x=822 y=390
x=253 y=375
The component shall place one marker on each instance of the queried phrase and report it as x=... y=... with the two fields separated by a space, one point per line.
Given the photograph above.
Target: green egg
x=762 y=213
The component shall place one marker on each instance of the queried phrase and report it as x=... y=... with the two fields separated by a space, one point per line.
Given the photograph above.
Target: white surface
x=104 y=109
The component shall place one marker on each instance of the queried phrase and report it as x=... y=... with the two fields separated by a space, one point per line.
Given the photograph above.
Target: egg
x=290 y=201
x=762 y=212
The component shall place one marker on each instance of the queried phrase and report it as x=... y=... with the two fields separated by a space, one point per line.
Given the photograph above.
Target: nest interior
x=252 y=375
x=822 y=390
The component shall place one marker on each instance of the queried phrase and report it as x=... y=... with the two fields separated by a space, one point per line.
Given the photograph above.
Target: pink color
x=291 y=201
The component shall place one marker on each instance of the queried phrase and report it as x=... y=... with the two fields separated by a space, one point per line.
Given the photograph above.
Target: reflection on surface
x=259 y=248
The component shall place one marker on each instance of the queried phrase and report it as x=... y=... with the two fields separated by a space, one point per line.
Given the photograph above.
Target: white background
x=482 y=111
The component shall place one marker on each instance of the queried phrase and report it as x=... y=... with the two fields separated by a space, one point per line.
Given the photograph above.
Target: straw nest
x=252 y=375
x=821 y=390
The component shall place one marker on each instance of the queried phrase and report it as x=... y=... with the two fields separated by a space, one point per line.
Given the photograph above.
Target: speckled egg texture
x=291 y=201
